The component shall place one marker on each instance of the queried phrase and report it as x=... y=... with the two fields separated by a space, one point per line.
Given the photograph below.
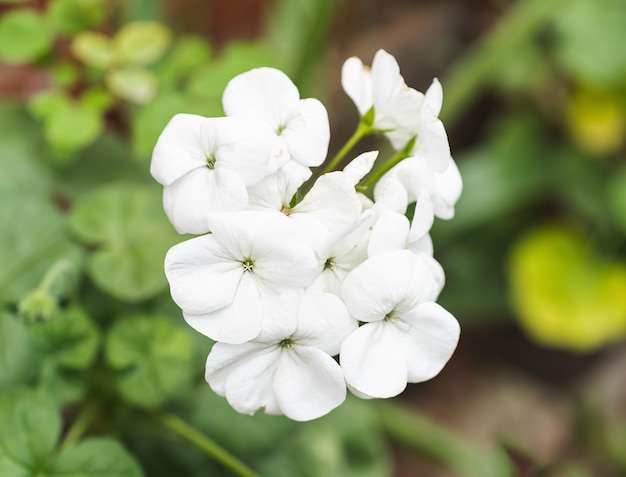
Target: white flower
x=406 y=336
x=300 y=125
x=402 y=113
x=288 y=369
x=205 y=165
x=223 y=281
x=417 y=176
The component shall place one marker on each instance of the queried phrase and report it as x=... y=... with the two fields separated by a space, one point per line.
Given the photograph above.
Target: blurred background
x=535 y=109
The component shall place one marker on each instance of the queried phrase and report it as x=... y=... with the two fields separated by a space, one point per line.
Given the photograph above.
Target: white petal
x=332 y=200
x=323 y=322
x=360 y=166
x=181 y=147
x=431 y=339
x=423 y=245
x=449 y=186
x=434 y=95
x=423 y=217
x=389 y=233
x=188 y=201
x=356 y=81
x=203 y=276
x=373 y=360
x=387 y=82
x=386 y=282
x=236 y=323
x=223 y=358
x=432 y=141
x=307 y=132
x=248 y=386
x=308 y=383
x=276 y=191
x=261 y=93
x=392 y=196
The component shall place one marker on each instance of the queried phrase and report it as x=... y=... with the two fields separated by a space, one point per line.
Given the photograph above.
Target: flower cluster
x=286 y=277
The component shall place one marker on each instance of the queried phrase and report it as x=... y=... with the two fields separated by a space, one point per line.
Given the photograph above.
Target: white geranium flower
x=288 y=369
x=300 y=125
x=406 y=338
x=223 y=281
x=205 y=165
x=402 y=113
x=416 y=175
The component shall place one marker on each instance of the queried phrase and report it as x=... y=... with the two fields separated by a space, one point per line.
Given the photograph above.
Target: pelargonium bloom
x=224 y=281
x=288 y=369
x=400 y=112
x=300 y=125
x=205 y=165
x=406 y=337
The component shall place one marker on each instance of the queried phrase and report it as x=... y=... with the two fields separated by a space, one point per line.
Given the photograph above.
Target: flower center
x=280 y=129
x=330 y=264
x=391 y=316
x=286 y=208
x=287 y=343
x=210 y=162
x=248 y=265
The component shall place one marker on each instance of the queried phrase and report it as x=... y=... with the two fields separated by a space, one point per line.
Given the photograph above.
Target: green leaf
x=93 y=49
x=74 y=16
x=70 y=339
x=153 y=357
x=18 y=355
x=30 y=426
x=32 y=240
x=150 y=120
x=23 y=36
x=565 y=295
x=96 y=457
x=617 y=199
x=128 y=227
x=141 y=42
x=132 y=84
x=582 y=44
x=20 y=155
x=187 y=54
x=72 y=127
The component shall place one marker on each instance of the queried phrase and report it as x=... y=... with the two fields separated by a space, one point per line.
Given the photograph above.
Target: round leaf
x=93 y=49
x=72 y=127
x=23 y=36
x=566 y=296
x=141 y=42
x=73 y=16
x=127 y=225
x=132 y=84
x=153 y=357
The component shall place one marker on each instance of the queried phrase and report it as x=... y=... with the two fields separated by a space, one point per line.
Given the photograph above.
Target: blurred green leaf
x=141 y=42
x=132 y=84
x=30 y=427
x=565 y=295
x=93 y=49
x=152 y=356
x=64 y=74
x=102 y=457
x=207 y=84
x=585 y=29
x=74 y=16
x=18 y=355
x=299 y=29
x=128 y=228
x=72 y=127
x=187 y=54
x=20 y=154
x=617 y=199
x=150 y=120
x=24 y=36
x=97 y=99
x=33 y=238
x=70 y=339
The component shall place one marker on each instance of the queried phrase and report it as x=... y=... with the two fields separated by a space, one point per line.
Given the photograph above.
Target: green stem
x=79 y=426
x=191 y=434
x=414 y=430
x=474 y=71
x=378 y=173
x=361 y=131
